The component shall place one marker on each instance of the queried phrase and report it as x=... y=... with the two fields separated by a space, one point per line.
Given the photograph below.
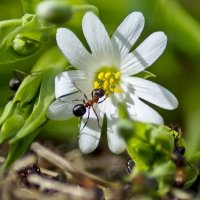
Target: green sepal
x=146 y=74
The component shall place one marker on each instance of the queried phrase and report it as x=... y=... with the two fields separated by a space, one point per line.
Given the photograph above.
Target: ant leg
x=87 y=119
x=80 y=90
x=69 y=101
x=17 y=72
x=84 y=102
x=102 y=100
x=96 y=117
x=65 y=95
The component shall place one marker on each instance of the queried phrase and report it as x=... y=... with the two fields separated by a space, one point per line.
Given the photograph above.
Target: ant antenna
x=80 y=91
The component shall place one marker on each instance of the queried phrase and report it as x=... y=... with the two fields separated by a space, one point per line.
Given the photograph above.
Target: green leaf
x=8 y=26
x=148 y=144
x=30 y=83
x=37 y=117
x=31 y=102
x=163 y=171
x=25 y=40
x=11 y=127
x=8 y=110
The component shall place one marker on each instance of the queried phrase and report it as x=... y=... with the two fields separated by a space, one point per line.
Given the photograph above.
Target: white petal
x=90 y=134
x=116 y=143
x=128 y=32
x=108 y=107
x=145 y=54
x=64 y=82
x=98 y=39
x=141 y=112
x=153 y=93
x=74 y=50
x=61 y=109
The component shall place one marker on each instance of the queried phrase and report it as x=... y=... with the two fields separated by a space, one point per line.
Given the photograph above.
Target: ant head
x=79 y=110
x=14 y=84
x=98 y=92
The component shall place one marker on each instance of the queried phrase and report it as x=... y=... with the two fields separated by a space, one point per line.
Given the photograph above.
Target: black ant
x=179 y=160
x=17 y=80
x=130 y=165
x=80 y=109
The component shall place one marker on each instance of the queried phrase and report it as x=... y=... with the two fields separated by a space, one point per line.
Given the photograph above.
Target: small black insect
x=19 y=75
x=17 y=80
x=180 y=150
x=130 y=165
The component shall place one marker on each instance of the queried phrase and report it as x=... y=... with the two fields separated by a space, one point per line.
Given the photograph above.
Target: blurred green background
x=178 y=69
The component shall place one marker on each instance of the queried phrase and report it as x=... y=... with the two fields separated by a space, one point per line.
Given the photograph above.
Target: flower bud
x=25 y=46
x=54 y=11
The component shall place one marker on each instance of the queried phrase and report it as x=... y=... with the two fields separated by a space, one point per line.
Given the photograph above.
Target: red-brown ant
x=80 y=109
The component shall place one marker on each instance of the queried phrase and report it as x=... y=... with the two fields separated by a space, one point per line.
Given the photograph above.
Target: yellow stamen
x=117 y=90
x=108 y=79
x=100 y=75
x=105 y=85
x=107 y=74
x=117 y=75
x=112 y=80
x=111 y=90
x=96 y=85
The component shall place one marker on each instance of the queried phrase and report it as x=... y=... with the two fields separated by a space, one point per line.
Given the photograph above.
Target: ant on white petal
x=80 y=109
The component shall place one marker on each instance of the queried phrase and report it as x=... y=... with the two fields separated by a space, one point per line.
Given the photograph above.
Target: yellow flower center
x=108 y=79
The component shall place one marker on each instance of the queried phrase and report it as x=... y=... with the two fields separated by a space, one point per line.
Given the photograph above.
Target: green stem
x=12 y=22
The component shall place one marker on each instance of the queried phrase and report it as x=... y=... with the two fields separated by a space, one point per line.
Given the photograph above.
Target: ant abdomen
x=79 y=110
x=14 y=84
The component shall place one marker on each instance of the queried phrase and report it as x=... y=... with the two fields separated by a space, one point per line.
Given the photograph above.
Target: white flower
x=110 y=66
